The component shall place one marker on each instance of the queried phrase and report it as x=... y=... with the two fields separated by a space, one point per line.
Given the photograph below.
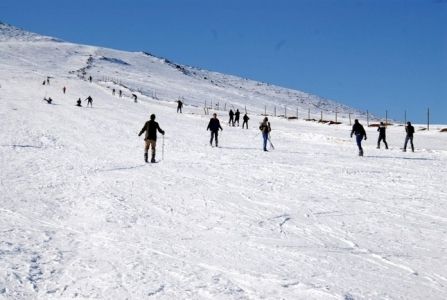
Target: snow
x=82 y=216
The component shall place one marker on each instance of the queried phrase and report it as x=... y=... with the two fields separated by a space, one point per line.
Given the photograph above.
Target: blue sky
x=377 y=55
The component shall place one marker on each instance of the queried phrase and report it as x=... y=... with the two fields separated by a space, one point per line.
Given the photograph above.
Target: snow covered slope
x=82 y=216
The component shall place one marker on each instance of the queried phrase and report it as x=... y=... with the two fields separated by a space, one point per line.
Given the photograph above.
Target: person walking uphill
x=214 y=126
x=382 y=135
x=360 y=134
x=231 y=120
x=265 y=129
x=410 y=131
x=245 y=118
x=150 y=127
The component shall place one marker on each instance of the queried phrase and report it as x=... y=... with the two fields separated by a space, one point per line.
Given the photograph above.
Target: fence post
x=350 y=123
x=285 y=112
x=265 y=110
x=297 y=113
x=386 y=118
x=405 y=117
x=274 y=111
x=308 y=114
x=321 y=117
x=336 y=115
x=367 y=118
x=428 y=118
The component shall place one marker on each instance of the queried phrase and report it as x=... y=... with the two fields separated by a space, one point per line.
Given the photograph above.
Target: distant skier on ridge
x=150 y=127
x=360 y=134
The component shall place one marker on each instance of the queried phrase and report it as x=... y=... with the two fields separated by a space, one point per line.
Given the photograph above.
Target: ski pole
x=271 y=144
x=163 y=148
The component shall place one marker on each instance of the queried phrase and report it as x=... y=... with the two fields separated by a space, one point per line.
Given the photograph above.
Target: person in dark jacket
x=179 y=106
x=134 y=98
x=89 y=100
x=78 y=103
x=237 y=114
x=245 y=118
x=382 y=135
x=214 y=126
x=360 y=134
x=150 y=127
x=265 y=129
x=409 y=129
x=49 y=100
x=231 y=120
x=64 y=89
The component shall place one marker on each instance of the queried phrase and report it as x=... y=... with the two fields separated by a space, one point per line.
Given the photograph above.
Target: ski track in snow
x=82 y=216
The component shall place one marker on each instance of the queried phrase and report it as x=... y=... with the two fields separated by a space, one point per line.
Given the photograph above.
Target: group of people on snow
x=360 y=135
x=234 y=118
x=151 y=127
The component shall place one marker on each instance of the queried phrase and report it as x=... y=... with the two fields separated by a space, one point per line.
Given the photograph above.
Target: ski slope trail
x=82 y=215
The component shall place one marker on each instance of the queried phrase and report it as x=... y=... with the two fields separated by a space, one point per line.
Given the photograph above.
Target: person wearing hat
x=150 y=127
x=265 y=129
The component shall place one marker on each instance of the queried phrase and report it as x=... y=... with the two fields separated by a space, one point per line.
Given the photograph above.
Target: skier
x=49 y=100
x=121 y=93
x=409 y=129
x=360 y=134
x=382 y=135
x=245 y=118
x=150 y=139
x=64 y=89
x=236 y=117
x=78 y=103
x=113 y=92
x=214 y=126
x=231 y=120
x=134 y=98
x=265 y=129
x=89 y=101
x=179 y=106
x=48 y=80
x=90 y=78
